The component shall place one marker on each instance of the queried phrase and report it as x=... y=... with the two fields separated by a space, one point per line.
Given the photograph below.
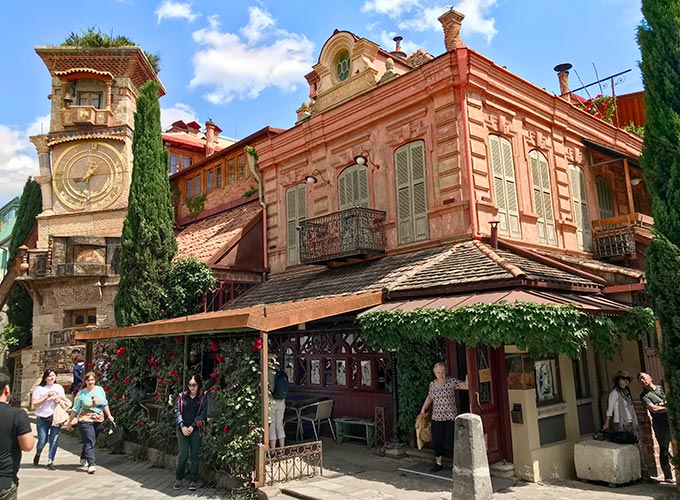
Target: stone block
x=608 y=462
x=471 y=478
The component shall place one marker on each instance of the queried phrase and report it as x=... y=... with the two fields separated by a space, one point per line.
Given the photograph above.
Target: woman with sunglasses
x=45 y=399
x=190 y=411
x=90 y=406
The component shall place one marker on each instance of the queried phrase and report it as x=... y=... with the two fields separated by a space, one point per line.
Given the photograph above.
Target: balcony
x=86 y=115
x=353 y=233
x=618 y=236
x=82 y=269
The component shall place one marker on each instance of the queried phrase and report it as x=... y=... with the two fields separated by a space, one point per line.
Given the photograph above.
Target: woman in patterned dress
x=442 y=397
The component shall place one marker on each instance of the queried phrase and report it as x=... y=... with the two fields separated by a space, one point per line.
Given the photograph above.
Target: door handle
x=479 y=404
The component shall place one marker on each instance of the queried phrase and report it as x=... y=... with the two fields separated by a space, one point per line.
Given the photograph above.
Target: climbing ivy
x=541 y=329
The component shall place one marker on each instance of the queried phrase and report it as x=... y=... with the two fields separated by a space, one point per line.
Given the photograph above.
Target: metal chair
x=316 y=413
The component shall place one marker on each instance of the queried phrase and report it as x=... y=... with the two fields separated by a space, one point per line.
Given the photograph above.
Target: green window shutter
x=604 y=198
x=540 y=176
x=421 y=223
x=404 y=210
x=505 y=189
x=580 y=206
x=353 y=187
x=296 y=211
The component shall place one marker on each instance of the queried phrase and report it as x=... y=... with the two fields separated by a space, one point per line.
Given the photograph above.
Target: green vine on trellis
x=541 y=329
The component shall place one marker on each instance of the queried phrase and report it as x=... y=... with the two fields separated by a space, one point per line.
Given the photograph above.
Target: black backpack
x=280 y=385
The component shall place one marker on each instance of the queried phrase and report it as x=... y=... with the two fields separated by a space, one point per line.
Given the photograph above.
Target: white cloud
x=233 y=66
x=420 y=15
x=177 y=111
x=175 y=10
x=390 y=8
x=18 y=157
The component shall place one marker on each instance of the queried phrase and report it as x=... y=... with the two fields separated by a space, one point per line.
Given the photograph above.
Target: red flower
x=116 y=397
x=215 y=388
x=213 y=346
x=213 y=375
x=120 y=351
x=173 y=373
x=226 y=428
x=218 y=358
x=126 y=381
x=159 y=378
x=156 y=396
x=115 y=378
x=106 y=388
x=90 y=365
x=139 y=423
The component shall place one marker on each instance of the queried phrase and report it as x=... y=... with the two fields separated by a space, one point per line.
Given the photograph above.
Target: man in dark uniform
x=15 y=437
x=654 y=399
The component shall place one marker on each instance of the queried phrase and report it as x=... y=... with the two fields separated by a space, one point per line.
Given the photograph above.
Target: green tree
x=148 y=241
x=19 y=302
x=659 y=40
x=95 y=38
x=190 y=280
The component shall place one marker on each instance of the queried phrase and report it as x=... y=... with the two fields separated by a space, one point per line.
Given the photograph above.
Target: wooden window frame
x=541 y=182
x=411 y=193
x=581 y=210
x=502 y=164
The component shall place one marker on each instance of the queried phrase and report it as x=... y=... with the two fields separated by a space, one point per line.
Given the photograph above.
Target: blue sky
x=242 y=63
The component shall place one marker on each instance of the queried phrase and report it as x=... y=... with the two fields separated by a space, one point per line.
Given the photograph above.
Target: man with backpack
x=278 y=386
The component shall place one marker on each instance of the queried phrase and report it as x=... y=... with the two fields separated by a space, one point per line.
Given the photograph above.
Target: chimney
x=494 y=233
x=210 y=137
x=451 y=22
x=397 y=52
x=563 y=77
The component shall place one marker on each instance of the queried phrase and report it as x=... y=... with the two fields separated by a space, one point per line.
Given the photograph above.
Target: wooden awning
x=585 y=303
x=258 y=318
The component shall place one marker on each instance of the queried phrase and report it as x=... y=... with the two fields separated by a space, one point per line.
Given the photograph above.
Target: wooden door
x=489 y=399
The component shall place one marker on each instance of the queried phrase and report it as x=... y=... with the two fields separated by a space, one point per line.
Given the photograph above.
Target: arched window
x=584 y=232
x=540 y=177
x=412 y=221
x=353 y=187
x=296 y=212
x=604 y=197
x=505 y=189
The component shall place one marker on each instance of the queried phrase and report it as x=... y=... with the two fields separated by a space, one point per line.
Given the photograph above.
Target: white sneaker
x=91 y=469
x=83 y=464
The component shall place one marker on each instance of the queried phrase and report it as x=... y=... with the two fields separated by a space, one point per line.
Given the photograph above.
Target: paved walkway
x=118 y=477
x=353 y=473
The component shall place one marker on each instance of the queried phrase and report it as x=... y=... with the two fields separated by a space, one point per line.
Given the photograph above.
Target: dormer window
x=90 y=99
x=342 y=66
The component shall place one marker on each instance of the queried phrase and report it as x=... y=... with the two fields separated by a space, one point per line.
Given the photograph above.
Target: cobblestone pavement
x=117 y=477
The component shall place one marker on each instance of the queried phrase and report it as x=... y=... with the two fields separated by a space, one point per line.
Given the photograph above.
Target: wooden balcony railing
x=615 y=236
x=86 y=115
x=352 y=233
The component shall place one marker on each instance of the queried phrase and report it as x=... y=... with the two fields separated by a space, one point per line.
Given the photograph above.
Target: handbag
x=115 y=436
x=61 y=413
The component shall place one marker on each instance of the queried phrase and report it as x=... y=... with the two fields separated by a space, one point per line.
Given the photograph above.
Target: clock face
x=89 y=175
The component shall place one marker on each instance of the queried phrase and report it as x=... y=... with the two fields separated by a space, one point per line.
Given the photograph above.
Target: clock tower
x=85 y=171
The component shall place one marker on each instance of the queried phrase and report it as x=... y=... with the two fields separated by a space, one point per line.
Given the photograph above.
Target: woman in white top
x=45 y=398
x=621 y=413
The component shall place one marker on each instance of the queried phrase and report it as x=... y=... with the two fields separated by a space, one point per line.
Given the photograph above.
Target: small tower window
x=342 y=66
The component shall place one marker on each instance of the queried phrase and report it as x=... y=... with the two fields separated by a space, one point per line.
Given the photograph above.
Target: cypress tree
x=148 y=241
x=19 y=302
x=659 y=40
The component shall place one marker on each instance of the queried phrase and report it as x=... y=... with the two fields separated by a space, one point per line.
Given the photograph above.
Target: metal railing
x=297 y=461
x=354 y=232
x=615 y=236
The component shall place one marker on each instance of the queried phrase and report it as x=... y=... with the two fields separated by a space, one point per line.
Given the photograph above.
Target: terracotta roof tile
x=205 y=238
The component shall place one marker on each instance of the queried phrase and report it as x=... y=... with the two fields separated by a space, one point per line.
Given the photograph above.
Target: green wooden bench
x=343 y=430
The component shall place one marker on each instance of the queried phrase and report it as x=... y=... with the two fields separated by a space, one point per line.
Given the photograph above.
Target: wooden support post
x=629 y=189
x=88 y=356
x=264 y=383
x=185 y=362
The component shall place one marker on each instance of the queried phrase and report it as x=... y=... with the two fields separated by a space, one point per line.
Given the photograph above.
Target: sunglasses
x=193 y=385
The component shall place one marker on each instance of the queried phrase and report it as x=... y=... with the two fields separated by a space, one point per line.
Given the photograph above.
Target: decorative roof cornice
x=75 y=72
x=116 y=134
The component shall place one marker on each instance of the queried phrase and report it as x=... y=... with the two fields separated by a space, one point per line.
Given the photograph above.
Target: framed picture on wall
x=547 y=381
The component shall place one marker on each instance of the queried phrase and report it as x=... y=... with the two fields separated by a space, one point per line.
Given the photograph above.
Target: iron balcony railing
x=355 y=232
x=615 y=236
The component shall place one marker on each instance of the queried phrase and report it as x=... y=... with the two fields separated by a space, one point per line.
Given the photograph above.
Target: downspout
x=251 y=157
x=463 y=73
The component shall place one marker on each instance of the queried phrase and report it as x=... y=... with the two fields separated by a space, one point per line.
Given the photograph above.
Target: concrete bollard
x=471 y=478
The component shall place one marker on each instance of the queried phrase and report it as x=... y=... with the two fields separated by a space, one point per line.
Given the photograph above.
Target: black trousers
x=442 y=437
x=662 y=431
